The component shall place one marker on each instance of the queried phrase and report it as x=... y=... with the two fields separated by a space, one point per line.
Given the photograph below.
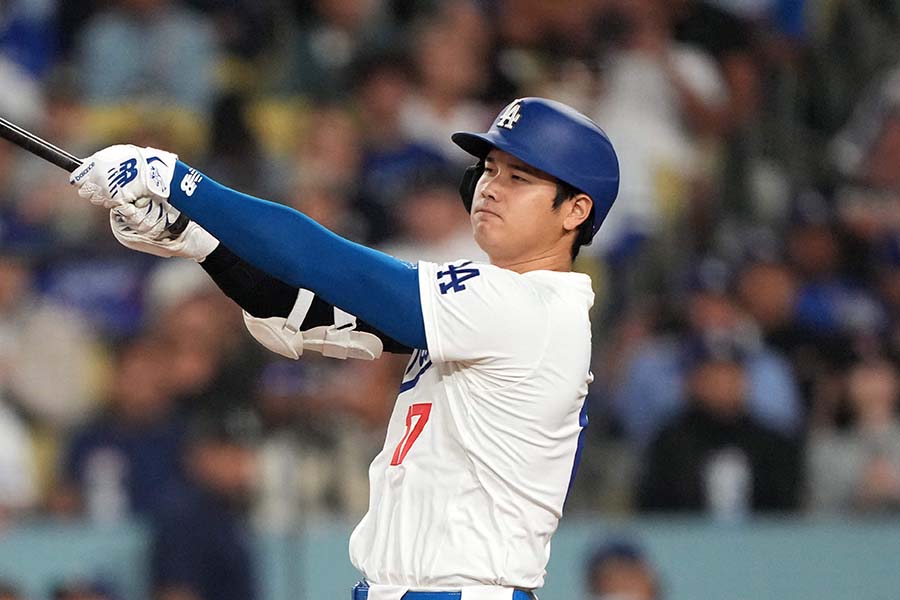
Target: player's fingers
x=126 y=195
x=104 y=201
x=93 y=193
x=88 y=189
x=126 y=212
x=95 y=196
x=101 y=199
x=158 y=229
x=149 y=216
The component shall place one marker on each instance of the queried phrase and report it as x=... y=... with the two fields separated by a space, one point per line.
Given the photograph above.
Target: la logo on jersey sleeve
x=453 y=278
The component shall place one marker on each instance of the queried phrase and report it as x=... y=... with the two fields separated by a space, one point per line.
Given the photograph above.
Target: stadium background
x=744 y=434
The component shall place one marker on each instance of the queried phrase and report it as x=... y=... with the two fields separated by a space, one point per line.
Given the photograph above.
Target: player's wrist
x=158 y=171
x=184 y=182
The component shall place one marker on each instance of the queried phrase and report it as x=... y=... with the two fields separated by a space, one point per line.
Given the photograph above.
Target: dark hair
x=583 y=236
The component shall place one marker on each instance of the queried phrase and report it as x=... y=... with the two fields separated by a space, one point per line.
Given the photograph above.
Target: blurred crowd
x=747 y=323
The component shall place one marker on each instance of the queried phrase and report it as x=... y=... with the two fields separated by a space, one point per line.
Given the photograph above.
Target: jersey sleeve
x=484 y=315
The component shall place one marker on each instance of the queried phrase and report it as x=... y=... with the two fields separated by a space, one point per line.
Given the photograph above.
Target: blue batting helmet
x=558 y=140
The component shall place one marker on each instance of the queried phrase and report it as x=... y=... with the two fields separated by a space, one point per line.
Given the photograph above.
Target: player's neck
x=546 y=262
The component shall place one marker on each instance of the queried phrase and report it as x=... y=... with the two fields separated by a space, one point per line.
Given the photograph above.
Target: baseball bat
x=62 y=159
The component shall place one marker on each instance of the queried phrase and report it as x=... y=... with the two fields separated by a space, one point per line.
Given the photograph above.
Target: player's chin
x=489 y=237
x=485 y=230
x=487 y=223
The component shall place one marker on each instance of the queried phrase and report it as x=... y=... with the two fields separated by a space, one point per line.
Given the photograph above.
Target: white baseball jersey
x=481 y=444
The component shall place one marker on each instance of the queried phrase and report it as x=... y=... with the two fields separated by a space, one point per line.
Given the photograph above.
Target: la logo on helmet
x=509 y=117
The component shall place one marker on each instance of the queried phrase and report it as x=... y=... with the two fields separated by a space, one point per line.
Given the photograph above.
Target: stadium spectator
x=201 y=549
x=148 y=51
x=715 y=458
x=212 y=364
x=852 y=47
x=234 y=150
x=390 y=163
x=836 y=305
x=329 y=36
x=731 y=38
x=127 y=460
x=312 y=460
x=27 y=52
x=39 y=335
x=324 y=170
x=431 y=226
x=658 y=99
x=830 y=302
x=449 y=50
x=651 y=390
x=858 y=470
x=330 y=149
x=551 y=28
x=148 y=64
x=768 y=290
x=618 y=569
x=245 y=28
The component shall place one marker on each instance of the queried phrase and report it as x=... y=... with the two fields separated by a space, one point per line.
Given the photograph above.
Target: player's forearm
x=259 y=294
x=263 y=296
x=296 y=250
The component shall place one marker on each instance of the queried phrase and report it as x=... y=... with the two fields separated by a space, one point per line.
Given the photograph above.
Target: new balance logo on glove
x=189 y=182
x=121 y=175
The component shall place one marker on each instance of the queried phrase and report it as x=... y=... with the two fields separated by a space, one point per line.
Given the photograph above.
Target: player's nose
x=489 y=189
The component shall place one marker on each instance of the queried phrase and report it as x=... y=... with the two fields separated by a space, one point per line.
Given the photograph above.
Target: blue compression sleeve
x=375 y=287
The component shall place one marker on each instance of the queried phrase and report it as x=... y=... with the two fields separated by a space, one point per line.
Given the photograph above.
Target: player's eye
x=519 y=178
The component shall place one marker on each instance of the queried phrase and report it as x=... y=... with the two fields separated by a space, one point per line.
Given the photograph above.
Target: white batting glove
x=142 y=226
x=122 y=174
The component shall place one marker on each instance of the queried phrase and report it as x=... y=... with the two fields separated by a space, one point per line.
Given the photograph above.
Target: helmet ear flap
x=468 y=182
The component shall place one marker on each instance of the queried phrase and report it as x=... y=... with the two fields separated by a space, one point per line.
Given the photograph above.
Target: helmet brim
x=476 y=144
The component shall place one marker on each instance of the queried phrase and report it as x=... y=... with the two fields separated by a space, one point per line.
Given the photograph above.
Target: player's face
x=513 y=219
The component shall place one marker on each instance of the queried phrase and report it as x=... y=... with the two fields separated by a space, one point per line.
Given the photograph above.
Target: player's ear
x=578 y=208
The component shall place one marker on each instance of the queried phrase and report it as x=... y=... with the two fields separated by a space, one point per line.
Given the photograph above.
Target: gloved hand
x=142 y=226
x=122 y=174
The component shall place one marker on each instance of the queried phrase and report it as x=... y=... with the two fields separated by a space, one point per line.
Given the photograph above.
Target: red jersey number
x=419 y=412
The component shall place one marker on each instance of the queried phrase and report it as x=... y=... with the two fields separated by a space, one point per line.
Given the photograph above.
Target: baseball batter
x=484 y=437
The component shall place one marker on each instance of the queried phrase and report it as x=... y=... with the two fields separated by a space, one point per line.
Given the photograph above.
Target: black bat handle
x=62 y=159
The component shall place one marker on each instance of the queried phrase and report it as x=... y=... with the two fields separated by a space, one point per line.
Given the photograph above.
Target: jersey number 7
x=421 y=412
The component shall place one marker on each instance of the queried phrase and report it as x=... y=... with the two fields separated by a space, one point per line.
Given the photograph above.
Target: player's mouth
x=484 y=212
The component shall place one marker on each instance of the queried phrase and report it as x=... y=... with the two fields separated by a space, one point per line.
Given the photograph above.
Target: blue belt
x=361 y=592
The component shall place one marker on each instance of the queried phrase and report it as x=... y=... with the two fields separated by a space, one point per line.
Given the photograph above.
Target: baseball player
x=485 y=433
